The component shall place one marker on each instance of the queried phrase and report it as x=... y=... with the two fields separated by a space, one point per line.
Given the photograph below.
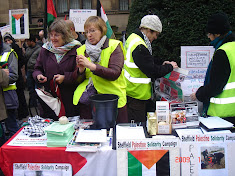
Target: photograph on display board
x=213 y=157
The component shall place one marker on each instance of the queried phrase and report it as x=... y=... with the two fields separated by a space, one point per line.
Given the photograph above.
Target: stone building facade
x=116 y=10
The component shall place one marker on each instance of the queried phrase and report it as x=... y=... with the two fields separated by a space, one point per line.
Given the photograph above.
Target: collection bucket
x=104 y=110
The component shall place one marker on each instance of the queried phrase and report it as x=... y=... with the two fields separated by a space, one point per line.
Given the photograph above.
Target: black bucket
x=104 y=110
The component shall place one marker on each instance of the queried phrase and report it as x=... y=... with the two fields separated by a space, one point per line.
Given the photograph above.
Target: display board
x=79 y=17
x=210 y=155
x=19 y=23
x=195 y=59
x=148 y=157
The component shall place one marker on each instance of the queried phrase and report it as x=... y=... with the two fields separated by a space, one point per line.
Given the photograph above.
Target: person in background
x=40 y=22
x=101 y=61
x=57 y=62
x=38 y=40
x=77 y=36
x=31 y=55
x=9 y=64
x=22 y=109
x=4 y=81
x=140 y=66
x=218 y=92
x=41 y=35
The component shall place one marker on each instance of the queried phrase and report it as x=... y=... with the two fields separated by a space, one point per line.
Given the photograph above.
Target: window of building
x=74 y=4
x=124 y=5
x=86 y=4
x=62 y=6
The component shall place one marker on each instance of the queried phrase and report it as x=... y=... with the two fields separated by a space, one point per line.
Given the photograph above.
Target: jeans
x=31 y=87
x=11 y=123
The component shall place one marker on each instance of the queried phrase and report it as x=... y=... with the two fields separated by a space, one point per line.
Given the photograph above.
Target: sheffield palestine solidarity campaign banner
x=19 y=23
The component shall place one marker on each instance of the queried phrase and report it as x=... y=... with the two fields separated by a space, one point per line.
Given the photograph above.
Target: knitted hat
x=218 y=24
x=151 y=22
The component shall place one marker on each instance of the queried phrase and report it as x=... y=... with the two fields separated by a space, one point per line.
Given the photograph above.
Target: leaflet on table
x=22 y=140
x=74 y=146
x=127 y=132
x=215 y=122
x=92 y=136
x=52 y=169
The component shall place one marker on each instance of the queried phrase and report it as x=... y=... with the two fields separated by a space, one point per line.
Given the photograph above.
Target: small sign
x=79 y=17
x=52 y=169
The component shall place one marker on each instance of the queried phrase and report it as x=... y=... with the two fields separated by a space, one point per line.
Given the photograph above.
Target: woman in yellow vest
x=100 y=60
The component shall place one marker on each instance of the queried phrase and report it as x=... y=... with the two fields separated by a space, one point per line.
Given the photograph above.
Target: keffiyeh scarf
x=147 y=43
x=60 y=51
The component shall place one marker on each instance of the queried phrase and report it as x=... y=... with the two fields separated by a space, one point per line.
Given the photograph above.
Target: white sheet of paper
x=217 y=131
x=92 y=136
x=181 y=132
x=125 y=132
x=215 y=122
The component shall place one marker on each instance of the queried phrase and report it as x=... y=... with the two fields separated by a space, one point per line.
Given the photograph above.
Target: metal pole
x=29 y=7
x=45 y=21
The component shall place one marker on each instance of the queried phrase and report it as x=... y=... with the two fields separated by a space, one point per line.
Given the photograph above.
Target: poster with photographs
x=213 y=159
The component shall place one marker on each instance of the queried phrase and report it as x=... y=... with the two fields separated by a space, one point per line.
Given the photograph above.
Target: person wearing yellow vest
x=141 y=67
x=101 y=61
x=218 y=91
x=9 y=63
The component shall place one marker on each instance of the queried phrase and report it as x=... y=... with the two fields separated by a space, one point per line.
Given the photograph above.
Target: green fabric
x=226 y=110
x=134 y=166
x=50 y=19
x=138 y=91
x=57 y=143
x=13 y=25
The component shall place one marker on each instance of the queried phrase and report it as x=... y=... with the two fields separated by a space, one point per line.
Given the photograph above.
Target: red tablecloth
x=15 y=154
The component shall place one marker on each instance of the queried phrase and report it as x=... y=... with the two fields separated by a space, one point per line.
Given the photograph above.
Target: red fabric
x=55 y=88
x=15 y=154
x=51 y=8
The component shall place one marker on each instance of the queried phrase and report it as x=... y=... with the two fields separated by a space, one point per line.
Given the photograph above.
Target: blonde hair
x=98 y=23
x=61 y=27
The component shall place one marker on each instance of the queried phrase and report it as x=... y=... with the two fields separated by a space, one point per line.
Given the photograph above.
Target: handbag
x=54 y=102
x=90 y=90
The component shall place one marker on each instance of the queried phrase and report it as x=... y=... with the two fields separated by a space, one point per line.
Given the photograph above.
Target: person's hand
x=41 y=78
x=166 y=62
x=174 y=64
x=83 y=61
x=79 y=66
x=193 y=96
x=58 y=78
x=6 y=71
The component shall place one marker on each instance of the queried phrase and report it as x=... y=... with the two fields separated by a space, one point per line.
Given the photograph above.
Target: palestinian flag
x=102 y=14
x=51 y=13
x=18 y=24
x=148 y=162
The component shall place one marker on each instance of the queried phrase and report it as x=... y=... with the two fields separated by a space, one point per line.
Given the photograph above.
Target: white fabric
x=149 y=172
x=136 y=80
x=52 y=102
x=151 y=22
x=103 y=162
x=229 y=86
x=222 y=100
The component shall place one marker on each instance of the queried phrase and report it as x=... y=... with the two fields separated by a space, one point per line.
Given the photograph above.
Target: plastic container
x=104 y=110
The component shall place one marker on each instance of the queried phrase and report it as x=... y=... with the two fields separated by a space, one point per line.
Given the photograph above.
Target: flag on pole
x=51 y=13
x=148 y=162
x=18 y=24
x=102 y=14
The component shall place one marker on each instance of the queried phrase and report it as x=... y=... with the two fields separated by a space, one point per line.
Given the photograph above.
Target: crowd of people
x=79 y=66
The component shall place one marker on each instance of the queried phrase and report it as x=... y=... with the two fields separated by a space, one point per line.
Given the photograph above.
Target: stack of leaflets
x=59 y=135
x=87 y=140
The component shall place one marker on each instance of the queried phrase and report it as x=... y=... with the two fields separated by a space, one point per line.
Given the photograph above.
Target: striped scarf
x=147 y=43
x=62 y=50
